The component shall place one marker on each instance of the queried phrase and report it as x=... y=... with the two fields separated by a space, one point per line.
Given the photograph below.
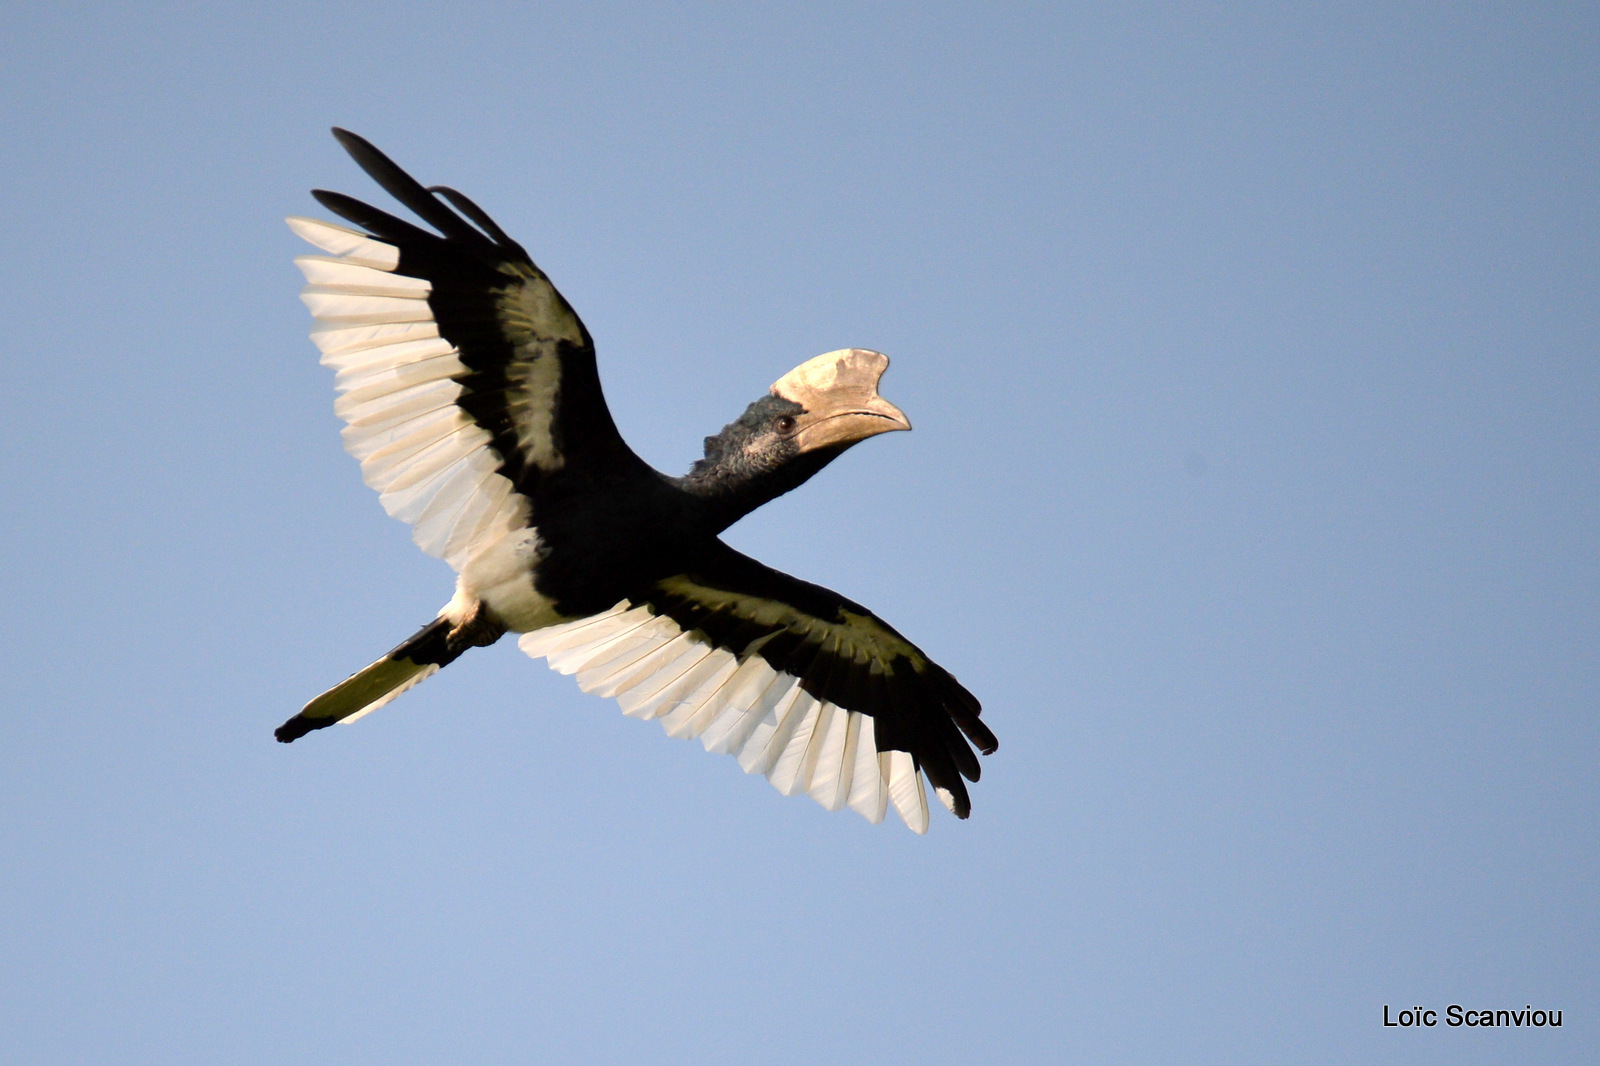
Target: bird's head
x=837 y=399
x=807 y=419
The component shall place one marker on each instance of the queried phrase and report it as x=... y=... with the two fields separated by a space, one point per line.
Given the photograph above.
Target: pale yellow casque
x=839 y=391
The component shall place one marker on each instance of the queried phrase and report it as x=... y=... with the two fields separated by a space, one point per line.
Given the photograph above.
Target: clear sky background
x=1255 y=489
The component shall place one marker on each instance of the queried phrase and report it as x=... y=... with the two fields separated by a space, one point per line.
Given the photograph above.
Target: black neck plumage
x=729 y=485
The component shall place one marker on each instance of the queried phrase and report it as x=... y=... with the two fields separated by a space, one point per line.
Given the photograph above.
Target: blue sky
x=1255 y=489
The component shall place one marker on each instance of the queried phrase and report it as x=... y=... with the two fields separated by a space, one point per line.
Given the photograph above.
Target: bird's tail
x=361 y=693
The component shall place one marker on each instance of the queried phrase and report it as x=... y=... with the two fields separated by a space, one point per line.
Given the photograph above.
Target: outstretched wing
x=467 y=380
x=799 y=683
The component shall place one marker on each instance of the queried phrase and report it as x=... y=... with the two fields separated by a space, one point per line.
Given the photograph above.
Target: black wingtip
x=964 y=709
x=380 y=224
x=479 y=216
x=354 y=143
x=357 y=146
x=406 y=189
x=961 y=802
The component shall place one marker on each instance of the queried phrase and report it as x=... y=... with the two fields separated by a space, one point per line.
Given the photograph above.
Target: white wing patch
x=759 y=715
x=431 y=463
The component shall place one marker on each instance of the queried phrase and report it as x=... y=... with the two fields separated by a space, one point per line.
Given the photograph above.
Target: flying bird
x=472 y=399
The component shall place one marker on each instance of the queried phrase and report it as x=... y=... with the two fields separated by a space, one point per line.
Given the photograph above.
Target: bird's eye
x=786 y=425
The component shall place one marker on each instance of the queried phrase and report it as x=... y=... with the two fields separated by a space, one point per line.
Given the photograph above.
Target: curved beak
x=839 y=392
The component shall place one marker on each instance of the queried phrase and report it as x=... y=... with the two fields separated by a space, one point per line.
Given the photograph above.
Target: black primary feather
x=406 y=189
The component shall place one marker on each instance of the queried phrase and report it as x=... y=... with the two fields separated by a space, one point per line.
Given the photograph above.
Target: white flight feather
x=414 y=441
x=732 y=728
x=847 y=761
x=679 y=719
x=828 y=782
x=652 y=636
x=642 y=669
x=329 y=272
x=340 y=338
x=670 y=698
x=396 y=472
x=409 y=433
x=788 y=768
x=340 y=307
x=571 y=656
x=481 y=512
x=377 y=382
x=906 y=793
x=351 y=366
x=541 y=642
x=869 y=793
x=345 y=243
x=744 y=687
x=642 y=698
x=397 y=406
x=432 y=528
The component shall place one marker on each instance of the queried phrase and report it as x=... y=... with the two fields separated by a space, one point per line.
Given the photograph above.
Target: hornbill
x=473 y=402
